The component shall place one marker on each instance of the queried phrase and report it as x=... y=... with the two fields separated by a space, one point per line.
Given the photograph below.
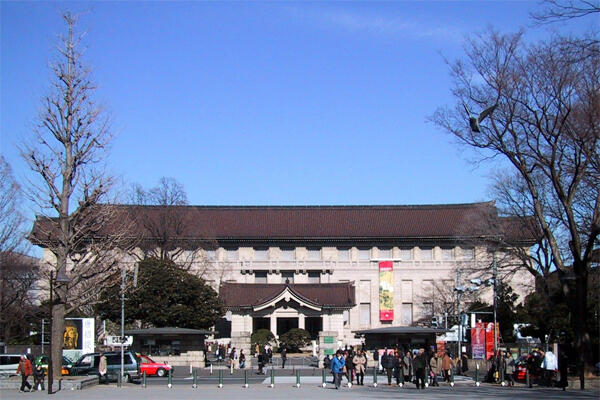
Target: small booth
x=402 y=337
x=167 y=341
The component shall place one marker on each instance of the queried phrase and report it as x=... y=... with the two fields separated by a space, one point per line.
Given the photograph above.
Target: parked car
x=9 y=364
x=151 y=367
x=67 y=364
x=88 y=365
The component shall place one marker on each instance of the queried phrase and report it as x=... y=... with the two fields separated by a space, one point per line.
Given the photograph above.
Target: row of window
x=343 y=254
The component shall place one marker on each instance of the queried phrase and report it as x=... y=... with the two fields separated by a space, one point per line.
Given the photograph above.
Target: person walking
x=420 y=365
x=25 y=369
x=563 y=368
x=550 y=367
x=283 y=356
x=261 y=363
x=38 y=378
x=387 y=362
x=435 y=369
x=349 y=366
x=102 y=369
x=337 y=368
x=242 y=359
x=509 y=371
x=447 y=364
x=407 y=367
x=360 y=364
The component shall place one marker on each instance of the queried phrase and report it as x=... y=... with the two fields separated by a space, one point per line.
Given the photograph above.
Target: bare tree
x=65 y=152
x=562 y=10
x=546 y=126
x=11 y=215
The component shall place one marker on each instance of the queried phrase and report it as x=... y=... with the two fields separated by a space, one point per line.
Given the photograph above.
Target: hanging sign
x=386 y=291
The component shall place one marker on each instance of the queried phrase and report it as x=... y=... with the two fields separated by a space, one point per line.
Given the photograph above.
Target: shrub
x=294 y=339
x=262 y=337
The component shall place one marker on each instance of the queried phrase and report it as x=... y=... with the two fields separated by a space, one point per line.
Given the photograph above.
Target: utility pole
x=495 y=272
x=458 y=293
x=122 y=321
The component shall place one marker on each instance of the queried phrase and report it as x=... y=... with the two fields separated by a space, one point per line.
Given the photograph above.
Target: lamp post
x=122 y=322
x=495 y=273
x=60 y=278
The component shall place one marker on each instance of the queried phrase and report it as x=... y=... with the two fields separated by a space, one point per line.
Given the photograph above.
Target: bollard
x=477 y=375
x=246 y=378
x=401 y=379
x=503 y=383
x=298 y=378
x=195 y=375
x=119 y=380
x=211 y=368
x=375 y=377
x=452 y=377
x=272 y=378
x=144 y=380
x=170 y=384
x=527 y=378
x=220 y=378
x=323 y=379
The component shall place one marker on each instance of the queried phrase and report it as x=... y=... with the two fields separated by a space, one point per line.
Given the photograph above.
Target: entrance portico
x=281 y=307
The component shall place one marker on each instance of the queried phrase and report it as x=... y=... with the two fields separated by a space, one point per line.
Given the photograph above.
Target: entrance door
x=286 y=324
x=314 y=325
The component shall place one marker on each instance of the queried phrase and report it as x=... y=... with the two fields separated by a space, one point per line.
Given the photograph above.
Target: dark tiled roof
x=168 y=331
x=332 y=295
x=264 y=223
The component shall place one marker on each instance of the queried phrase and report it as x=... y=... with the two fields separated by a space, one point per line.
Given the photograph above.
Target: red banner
x=386 y=291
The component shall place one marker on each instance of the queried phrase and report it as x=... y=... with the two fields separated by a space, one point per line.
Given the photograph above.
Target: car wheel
x=161 y=372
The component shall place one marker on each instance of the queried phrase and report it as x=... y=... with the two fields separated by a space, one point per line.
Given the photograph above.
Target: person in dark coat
x=283 y=356
x=261 y=363
x=563 y=369
x=420 y=365
x=387 y=362
x=38 y=378
x=349 y=356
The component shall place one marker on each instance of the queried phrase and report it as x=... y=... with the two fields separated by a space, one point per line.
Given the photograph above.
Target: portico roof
x=258 y=296
x=400 y=330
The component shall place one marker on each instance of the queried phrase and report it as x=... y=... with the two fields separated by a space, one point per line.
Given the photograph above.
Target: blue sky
x=267 y=102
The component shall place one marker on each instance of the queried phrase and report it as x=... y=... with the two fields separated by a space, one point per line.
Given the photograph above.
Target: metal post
x=477 y=375
x=272 y=377
x=220 y=378
x=122 y=321
x=495 y=272
x=195 y=381
x=323 y=378
x=144 y=380
x=50 y=371
x=245 y=378
x=119 y=380
x=527 y=377
x=458 y=341
x=452 y=377
x=42 y=336
x=298 y=378
x=170 y=382
x=401 y=378
x=502 y=382
x=375 y=377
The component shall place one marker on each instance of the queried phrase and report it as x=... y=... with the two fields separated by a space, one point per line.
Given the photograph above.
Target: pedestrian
x=25 y=369
x=270 y=354
x=261 y=363
x=464 y=363
x=510 y=366
x=337 y=368
x=102 y=368
x=283 y=356
x=447 y=364
x=360 y=363
x=563 y=368
x=397 y=366
x=256 y=350
x=420 y=366
x=38 y=378
x=233 y=359
x=407 y=367
x=550 y=367
x=435 y=369
x=242 y=359
x=387 y=362
x=350 y=366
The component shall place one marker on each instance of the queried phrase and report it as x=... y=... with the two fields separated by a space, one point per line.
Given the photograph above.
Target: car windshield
x=147 y=360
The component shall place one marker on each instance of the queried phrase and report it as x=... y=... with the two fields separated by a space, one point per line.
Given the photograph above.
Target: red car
x=150 y=367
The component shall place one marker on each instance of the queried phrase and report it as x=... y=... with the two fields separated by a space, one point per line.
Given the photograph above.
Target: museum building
x=333 y=269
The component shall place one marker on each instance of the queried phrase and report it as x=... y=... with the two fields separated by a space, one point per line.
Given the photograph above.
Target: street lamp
x=61 y=277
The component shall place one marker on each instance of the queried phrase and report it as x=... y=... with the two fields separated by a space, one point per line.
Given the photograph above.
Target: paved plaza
x=309 y=390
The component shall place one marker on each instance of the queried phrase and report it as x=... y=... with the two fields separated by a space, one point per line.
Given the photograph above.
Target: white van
x=9 y=364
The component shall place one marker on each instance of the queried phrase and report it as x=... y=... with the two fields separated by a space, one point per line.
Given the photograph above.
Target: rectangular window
x=447 y=253
x=427 y=289
x=260 y=276
x=314 y=254
x=427 y=253
x=406 y=254
x=364 y=254
x=314 y=276
x=232 y=254
x=406 y=314
x=364 y=291
x=427 y=310
x=365 y=314
x=346 y=314
x=407 y=291
x=468 y=254
x=343 y=254
x=385 y=253
x=211 y=255
x=287 y=275
x=261 y=254
x=288 y=255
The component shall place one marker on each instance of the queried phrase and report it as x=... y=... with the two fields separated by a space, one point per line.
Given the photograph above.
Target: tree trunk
x=58 y=329
x=579 y=322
